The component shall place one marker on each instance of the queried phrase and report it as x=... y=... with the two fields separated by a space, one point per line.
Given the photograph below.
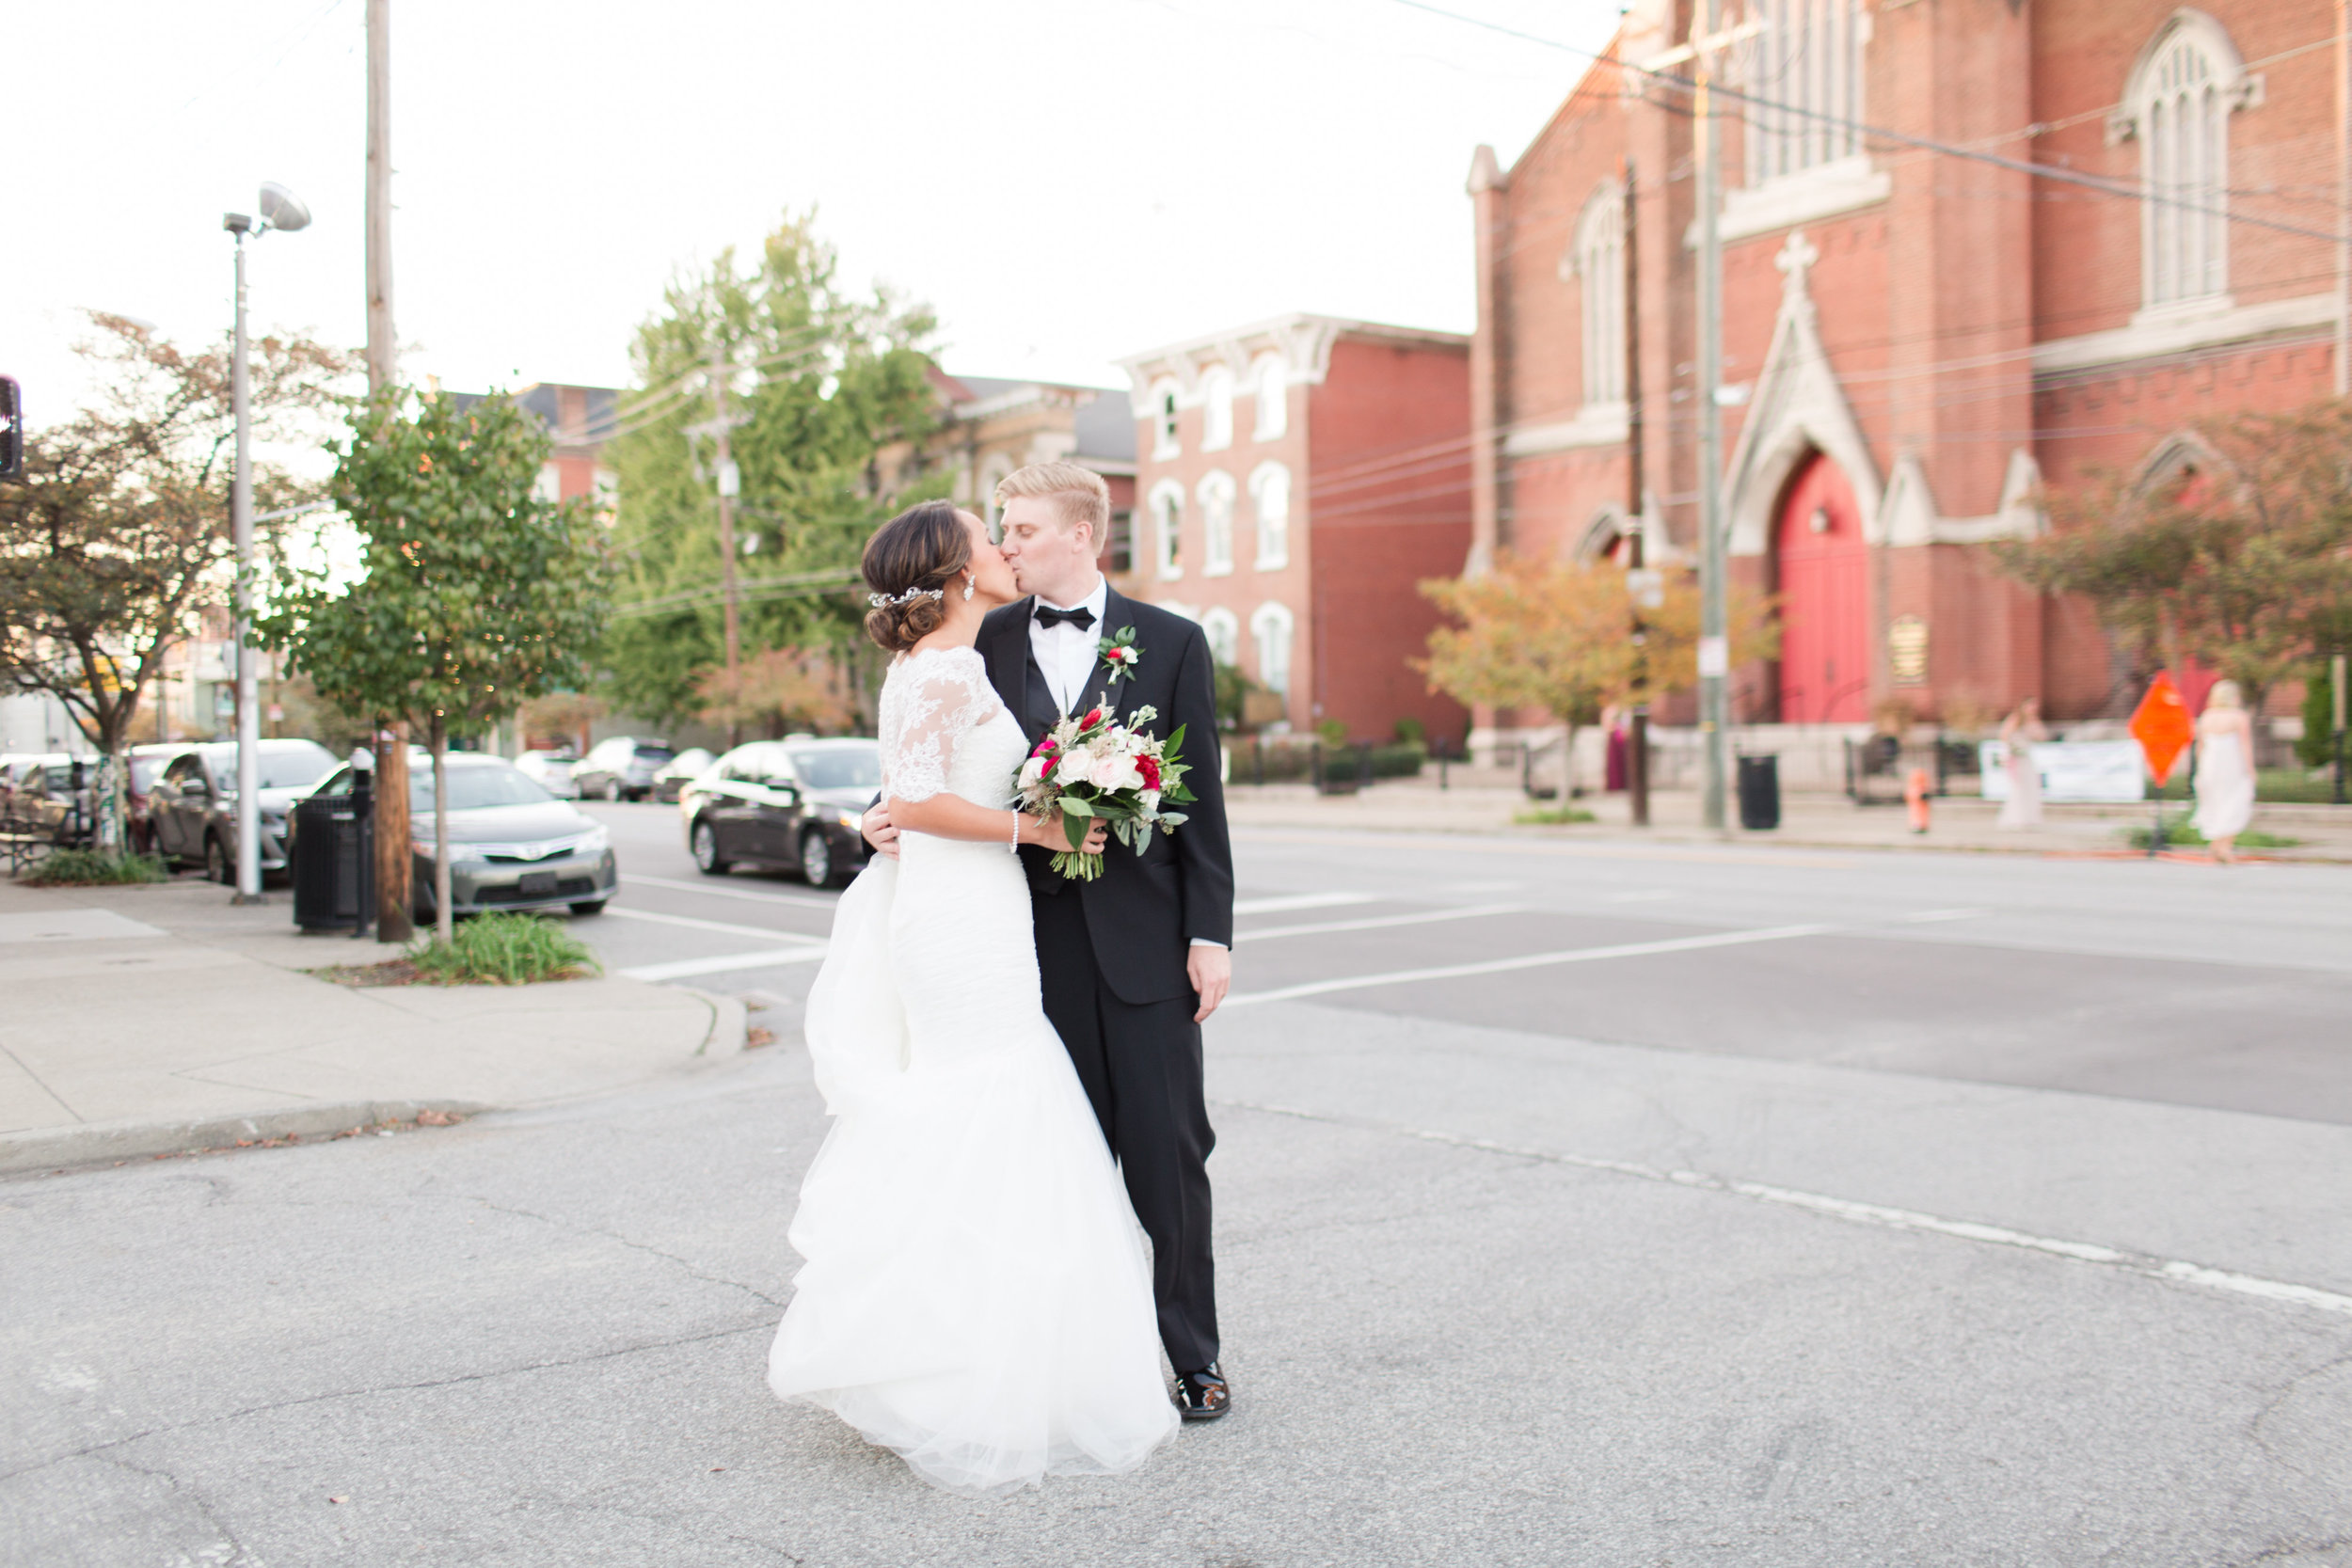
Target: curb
x=101 y=1142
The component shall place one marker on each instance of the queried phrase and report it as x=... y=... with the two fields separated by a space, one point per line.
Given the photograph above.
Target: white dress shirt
x=1066 y=654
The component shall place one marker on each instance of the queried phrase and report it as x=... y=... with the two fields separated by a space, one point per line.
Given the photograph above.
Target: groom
x=1132 y=962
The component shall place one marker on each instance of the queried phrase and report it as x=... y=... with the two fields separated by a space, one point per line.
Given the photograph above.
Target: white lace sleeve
x=929 y=703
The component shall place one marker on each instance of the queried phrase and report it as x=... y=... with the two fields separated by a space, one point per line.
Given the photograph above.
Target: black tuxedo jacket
x=1144 y=911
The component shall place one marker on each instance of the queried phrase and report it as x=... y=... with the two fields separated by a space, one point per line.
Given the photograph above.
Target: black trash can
x=332 y=849
x=1759 y=792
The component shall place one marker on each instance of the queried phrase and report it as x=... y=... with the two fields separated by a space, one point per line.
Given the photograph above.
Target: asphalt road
x=1576 y=1204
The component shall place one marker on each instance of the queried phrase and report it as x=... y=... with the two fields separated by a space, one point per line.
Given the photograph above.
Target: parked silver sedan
x=512 y=844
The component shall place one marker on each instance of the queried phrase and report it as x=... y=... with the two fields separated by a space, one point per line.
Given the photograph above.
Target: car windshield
x=294 y=767
x=847 y=768
x=654 y=754
x=475 y=787
x=143 y=770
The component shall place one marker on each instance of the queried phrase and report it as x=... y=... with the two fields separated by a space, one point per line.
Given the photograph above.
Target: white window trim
x=1166 y=506
x=1217 y=497
x=1217 y=408
x=1273 y=428
x=1274 y=612
x=1271 y=561
x=1822 y=191
x=1600 y=246
x=2234 y=87
x=1221 y=624
x=1165 y=442
x=2154 y=333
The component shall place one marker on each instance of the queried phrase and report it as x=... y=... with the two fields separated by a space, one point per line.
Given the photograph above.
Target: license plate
x=537 y=884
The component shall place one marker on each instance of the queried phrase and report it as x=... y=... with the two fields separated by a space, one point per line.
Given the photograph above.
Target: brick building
x=989 y=426
x=1918 y=346
x=1297 y=480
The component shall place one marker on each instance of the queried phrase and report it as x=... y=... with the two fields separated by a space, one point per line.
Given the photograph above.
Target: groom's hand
x=1211 y=971
x=879 y=831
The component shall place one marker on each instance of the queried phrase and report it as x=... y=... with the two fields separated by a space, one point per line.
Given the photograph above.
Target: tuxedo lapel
x=1008 y=665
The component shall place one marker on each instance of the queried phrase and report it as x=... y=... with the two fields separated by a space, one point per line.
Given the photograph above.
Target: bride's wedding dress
x=975 y=1295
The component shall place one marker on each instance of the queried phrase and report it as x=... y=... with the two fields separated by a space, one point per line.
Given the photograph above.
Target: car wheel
x=216 y=865
x=816 y=858
x=594 y=906
x=704 y=841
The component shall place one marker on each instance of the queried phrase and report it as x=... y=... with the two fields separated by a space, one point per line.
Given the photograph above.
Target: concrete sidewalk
x=142 y=1021
x=1490 y=802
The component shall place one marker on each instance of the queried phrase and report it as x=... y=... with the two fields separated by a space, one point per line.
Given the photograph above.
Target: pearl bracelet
x=1014 y=847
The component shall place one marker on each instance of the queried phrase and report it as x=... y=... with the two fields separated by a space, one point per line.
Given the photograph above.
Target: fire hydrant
x=1915 y=798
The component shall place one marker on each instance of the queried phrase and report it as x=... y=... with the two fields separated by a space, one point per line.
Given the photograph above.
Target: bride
x=974 y=1295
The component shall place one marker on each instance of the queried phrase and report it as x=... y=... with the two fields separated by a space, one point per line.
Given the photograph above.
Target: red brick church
x=1919 y=346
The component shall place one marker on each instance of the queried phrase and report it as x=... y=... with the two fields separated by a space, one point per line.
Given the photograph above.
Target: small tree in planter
x=475 y=593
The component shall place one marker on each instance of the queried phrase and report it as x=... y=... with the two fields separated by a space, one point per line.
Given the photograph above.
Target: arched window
x=1270 y=490
x=1270 y=627
x=2178 y=104
x=1216 y=520
x=1217 y=409
x=1271 y=376
x=1167 y=528
x=1599 y=264
x=1803 y=72
x=1222 y=628
x=993 y=472
x=1164 y=442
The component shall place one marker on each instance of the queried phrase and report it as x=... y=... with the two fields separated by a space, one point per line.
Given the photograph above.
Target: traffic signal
x=11 y=429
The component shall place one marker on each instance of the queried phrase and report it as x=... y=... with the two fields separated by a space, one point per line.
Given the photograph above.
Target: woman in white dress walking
x=2020 y=731
x=2225 y=770
x=975 y=1295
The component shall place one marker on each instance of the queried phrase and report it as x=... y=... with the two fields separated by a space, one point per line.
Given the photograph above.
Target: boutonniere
x=1121 y=654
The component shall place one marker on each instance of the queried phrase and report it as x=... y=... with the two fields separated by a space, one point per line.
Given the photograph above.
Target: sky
x=1065 y=181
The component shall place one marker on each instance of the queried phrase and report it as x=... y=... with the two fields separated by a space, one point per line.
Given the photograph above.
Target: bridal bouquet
x=1090 y=768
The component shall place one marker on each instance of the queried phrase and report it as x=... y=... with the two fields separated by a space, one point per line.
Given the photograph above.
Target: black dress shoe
x=1202 y=1396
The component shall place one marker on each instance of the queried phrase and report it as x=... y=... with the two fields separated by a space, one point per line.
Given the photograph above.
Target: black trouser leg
x=1140 y=1066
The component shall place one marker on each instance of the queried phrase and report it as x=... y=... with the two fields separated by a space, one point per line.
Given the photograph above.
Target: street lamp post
x=280 y=209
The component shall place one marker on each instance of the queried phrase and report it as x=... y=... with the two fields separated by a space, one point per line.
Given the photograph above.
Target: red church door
x=1824 y=600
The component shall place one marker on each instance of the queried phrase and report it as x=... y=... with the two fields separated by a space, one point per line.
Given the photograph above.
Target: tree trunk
x=395 y=861
x=444 y=923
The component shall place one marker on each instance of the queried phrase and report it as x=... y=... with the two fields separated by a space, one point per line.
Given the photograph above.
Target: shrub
x=1554 y=817
x=501 y=949
x=89 y=868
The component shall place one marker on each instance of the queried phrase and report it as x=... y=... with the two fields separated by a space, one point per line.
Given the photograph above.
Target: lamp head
x=236 y=223
x=282 y=208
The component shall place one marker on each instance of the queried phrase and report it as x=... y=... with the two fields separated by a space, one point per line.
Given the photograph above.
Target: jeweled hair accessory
x=884 y=601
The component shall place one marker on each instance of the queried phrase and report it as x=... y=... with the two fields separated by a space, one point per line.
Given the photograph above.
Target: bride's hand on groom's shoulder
x=879 y=831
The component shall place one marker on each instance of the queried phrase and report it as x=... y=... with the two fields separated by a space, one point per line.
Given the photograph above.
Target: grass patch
x=488 y=950
x=1554 y=817
x=2183 y=835
x=89 y=868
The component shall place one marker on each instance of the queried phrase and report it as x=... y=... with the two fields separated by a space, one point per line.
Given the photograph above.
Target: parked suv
x=621 y=768
x=791 y=803
x=192 y=810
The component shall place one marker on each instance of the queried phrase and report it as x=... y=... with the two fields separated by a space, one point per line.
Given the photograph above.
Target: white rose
x=1116 y=772
x=1072 y=768
x=1031 y=772
x=1150 y=801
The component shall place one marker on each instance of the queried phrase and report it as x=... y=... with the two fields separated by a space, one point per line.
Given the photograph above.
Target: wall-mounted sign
x=1907 y=650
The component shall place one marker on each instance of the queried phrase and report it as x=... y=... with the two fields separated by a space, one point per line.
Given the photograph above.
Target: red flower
x=1094 y=716
x=1150 y=769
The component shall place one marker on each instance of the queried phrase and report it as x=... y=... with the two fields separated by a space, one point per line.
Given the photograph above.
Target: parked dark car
x=192 y=811
x=147 y=763
x=513 y=846
x=621 y=768
x=796 y=804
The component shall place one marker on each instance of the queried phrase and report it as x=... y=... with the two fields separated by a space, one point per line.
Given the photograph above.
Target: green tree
x=474 y=594
x=825 y=383
x=120 y=533
x=2239 y=561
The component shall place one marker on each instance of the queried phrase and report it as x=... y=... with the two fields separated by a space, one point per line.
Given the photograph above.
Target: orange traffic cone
x=1915 y=798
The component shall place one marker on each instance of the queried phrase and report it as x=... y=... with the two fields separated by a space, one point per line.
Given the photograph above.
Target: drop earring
x=967 y=588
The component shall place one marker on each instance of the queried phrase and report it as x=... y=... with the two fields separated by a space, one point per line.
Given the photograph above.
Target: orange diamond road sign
x=2162 y=726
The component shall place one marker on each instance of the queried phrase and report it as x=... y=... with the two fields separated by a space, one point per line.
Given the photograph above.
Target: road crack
x=633 y=1244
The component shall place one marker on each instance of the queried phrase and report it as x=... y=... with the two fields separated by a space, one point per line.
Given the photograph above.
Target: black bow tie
x=1081 y=617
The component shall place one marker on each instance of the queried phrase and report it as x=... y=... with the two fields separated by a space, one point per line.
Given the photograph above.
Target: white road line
x=690 y=922
x=717 y=887
x=1299 y=902
x=1528 y=960
x=1640 y=895
x=1929 y=916
x=2146 y=1264
x=685 y=968
x=1373 y=922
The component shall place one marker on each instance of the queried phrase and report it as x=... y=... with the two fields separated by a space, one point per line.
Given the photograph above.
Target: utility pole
x=1638 y=577
x=1714 y=648
x=2343 y=199
x=721 y=427
x=393 y=859
x=249 y=869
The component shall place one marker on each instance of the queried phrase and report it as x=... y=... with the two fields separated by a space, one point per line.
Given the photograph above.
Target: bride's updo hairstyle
x=909 y=564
